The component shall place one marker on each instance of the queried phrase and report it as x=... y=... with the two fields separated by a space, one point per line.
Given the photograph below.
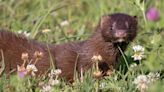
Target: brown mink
x=112 y=30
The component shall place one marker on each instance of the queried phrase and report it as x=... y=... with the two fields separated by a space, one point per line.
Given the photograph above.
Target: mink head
x=118 y=28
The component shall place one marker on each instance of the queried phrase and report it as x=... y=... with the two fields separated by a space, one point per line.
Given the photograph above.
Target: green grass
x=33 y=16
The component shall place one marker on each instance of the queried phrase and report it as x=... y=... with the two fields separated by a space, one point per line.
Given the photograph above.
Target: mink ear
x=104 y=21
x=135 y=17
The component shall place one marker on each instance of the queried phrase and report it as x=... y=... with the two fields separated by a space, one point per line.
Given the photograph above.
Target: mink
x=113 y=30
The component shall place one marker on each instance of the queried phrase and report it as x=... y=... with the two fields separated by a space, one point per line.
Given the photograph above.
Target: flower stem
x=124 y=57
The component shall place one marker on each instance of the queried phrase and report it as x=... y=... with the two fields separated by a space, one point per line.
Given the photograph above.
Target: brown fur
x=102 y=42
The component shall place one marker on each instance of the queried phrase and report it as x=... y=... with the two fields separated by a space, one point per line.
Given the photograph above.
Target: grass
x=33 y=16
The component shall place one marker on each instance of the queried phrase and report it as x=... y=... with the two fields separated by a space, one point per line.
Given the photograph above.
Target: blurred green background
x=73 y=20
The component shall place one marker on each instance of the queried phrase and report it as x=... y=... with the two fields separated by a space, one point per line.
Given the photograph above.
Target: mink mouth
x=120 y=43
x=119 y=40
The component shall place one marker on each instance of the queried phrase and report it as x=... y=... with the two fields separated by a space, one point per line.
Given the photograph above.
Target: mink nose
x=120 y=34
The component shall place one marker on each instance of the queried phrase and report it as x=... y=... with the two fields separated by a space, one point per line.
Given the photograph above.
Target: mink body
x=112 y=31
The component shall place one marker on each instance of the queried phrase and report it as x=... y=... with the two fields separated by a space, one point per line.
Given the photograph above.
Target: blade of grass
x=75 y=73
x=51 y=58
x=39 y=23
x=3 y=63
x=123 y=57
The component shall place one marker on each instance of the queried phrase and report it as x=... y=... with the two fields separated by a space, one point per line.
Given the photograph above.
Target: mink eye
x=111 y=28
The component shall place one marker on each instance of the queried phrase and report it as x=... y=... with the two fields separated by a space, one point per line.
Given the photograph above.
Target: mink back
x=12 y=47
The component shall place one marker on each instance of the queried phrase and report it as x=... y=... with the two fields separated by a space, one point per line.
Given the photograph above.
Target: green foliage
x=33 y=16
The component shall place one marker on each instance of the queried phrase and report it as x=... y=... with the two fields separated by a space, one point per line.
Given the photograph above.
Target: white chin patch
x=120 y=40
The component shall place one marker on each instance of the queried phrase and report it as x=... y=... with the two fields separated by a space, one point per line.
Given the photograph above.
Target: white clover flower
x=31 y=68
x=138 y=52
x=133 y=65
x=53 y=82
x=47 y=88
x=103 y=84
x=24 y=33
x=56 y=72
x=64 y=23
x=138 y=48
x=96 y=58
x=153 y=77
x=46 y=30
x=141 y=82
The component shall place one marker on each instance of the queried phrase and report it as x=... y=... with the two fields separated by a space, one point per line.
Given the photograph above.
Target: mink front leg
x=108 y=53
